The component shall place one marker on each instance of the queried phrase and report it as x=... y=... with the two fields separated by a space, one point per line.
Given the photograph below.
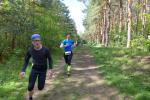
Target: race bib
x=68 y=53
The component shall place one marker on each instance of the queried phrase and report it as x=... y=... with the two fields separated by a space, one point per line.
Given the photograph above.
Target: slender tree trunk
x=144 y=3
x=113 y=22
x=121 y=16
x=137 y=18
x=6 y=35
x=13 y=43
x=103 y=27
x=126 y=16
x=105 y=24
x=107 y=21
x=99 y=32
x=129 y=23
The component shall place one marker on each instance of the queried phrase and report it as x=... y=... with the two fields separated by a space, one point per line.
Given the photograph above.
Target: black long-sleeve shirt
x=39 y=57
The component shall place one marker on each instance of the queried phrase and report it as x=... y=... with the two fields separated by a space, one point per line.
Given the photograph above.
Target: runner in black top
x=40 y=55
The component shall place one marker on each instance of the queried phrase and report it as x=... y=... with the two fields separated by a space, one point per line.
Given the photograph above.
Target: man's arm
x=50 y=60
x=26 y=61
x=50 y=67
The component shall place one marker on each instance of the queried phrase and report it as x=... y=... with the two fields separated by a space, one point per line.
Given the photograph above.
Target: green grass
x=121 y=70
x=11 y=86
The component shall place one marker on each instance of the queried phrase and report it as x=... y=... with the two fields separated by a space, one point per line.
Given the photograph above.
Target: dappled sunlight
x=88 y=56
x=95 y=81
x=127 y=70
x=87 y=68
x=75 y=87
x=81 y=62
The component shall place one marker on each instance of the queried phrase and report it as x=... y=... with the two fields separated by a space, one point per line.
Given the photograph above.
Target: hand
x=50 y=73
x=66 y=46
x=22 y=75
x=76 y=43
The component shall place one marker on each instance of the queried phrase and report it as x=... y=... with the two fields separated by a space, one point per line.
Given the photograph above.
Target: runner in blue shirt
x=67 y=44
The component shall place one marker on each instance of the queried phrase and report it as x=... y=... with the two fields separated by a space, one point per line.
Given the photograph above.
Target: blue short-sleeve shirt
x=69 y=44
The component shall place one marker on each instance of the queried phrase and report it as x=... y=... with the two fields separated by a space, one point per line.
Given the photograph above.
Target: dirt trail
x=85 y=82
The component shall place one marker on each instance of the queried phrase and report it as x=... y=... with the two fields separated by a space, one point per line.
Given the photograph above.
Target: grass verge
x=126 y=69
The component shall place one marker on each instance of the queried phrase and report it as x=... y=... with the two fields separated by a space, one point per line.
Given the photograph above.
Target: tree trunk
x=129 y=23
x=109 y=20
x=137 y=18
x=103 y=28
x=121 y=16
x=144 y=3
x=13 y=43
x=126 y=16
x=106 y=23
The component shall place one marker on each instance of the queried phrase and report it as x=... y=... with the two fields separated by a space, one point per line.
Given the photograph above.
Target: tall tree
x=129 y=23
x=21 y=18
